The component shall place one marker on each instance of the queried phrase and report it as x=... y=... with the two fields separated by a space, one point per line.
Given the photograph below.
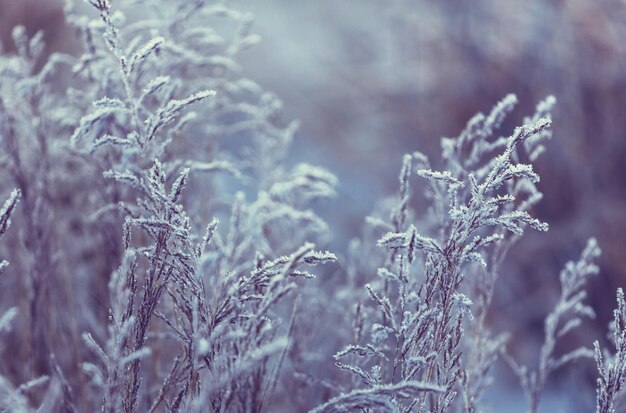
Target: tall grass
x=163 y=257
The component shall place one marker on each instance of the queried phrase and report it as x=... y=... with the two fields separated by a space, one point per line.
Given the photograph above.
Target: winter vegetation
x=162 y=247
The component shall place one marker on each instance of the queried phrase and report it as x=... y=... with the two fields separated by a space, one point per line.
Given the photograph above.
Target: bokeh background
x=370 y=80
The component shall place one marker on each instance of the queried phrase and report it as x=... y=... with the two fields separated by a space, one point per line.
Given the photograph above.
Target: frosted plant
x=118 y=353
x=238 y=110
x=612 y=366
x=481 y=346
x=27 y=123
x=214 y=296
x=5 y=219
x=12 y=398
x=568 y=314
x=417 y=336
x=378 y=398
x=164 y=256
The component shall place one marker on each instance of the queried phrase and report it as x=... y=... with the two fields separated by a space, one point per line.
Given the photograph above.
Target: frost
x=612 y=367
x=166 y=114
x=463 y=303
x=148 y=49
x=444 y=177
x=170 y=251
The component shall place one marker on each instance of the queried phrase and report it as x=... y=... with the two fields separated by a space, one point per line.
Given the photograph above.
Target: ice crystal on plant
x=168 y=253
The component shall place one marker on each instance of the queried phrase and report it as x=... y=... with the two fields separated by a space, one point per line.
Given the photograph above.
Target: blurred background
x=371 y=80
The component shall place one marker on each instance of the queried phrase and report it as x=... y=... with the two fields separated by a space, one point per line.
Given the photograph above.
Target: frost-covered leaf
x=166 y=114
x=149 y=48
x=437 y=176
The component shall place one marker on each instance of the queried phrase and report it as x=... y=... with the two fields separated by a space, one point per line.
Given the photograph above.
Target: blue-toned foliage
x=163 y=247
